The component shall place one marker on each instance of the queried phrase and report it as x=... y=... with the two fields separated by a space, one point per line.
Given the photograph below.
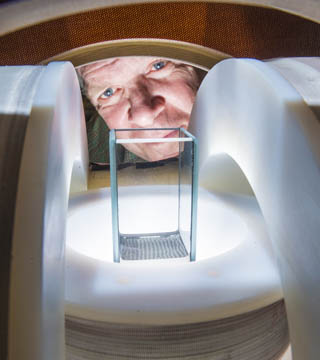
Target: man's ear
x=81 y=82
x=200 y=74
x=195 y=78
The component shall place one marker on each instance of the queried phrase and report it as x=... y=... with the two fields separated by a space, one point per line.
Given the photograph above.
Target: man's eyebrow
x=97 y=65
x=111 y=61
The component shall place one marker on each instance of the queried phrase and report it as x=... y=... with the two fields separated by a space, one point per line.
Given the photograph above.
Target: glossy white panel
x=246 y=111
x=52 y=143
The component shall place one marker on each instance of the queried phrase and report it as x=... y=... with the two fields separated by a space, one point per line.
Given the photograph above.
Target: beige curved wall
x=241 y=31
x=17 y=15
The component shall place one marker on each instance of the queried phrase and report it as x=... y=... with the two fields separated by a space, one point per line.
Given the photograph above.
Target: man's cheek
x=116 y=117
x=180 y=93
x=186 y=98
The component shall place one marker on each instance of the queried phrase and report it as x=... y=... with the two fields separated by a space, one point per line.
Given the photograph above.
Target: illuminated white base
x=89 y=230
x=234 y=272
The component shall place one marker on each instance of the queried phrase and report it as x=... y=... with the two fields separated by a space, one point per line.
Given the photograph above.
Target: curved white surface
x=304 y=75
x=55 y=140
x=247 y=114
x=234 y=272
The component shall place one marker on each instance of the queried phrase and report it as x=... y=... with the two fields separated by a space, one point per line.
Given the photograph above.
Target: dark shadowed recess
x=12 y=133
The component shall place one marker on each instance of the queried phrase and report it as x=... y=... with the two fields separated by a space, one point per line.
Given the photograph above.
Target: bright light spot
x=89 y=228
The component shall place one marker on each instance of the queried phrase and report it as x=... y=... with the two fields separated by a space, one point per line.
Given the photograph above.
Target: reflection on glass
x=162 y=224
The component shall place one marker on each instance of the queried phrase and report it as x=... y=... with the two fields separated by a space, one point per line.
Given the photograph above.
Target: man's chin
x=151 y=154
x=158 y=157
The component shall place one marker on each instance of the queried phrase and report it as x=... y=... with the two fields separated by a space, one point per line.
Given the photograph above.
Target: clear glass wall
x=154 y=195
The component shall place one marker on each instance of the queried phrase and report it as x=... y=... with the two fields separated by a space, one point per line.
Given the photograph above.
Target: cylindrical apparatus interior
x=79 y=328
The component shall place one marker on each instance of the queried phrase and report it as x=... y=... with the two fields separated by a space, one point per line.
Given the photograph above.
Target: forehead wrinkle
x=126 y=69
x=89 y=68
x=131 y=66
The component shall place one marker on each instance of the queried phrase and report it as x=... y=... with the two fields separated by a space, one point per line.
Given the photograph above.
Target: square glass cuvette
x=154 y=200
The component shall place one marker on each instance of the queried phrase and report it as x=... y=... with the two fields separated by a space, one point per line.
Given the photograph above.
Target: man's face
x=142 y=92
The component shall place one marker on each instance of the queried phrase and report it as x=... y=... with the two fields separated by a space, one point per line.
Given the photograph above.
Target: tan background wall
x=241 y=31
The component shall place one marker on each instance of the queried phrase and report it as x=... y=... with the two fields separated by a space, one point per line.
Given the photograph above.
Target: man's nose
x=144 y=107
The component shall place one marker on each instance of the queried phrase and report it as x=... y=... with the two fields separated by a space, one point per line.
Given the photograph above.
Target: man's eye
x=107 y=93
x=159 y=65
